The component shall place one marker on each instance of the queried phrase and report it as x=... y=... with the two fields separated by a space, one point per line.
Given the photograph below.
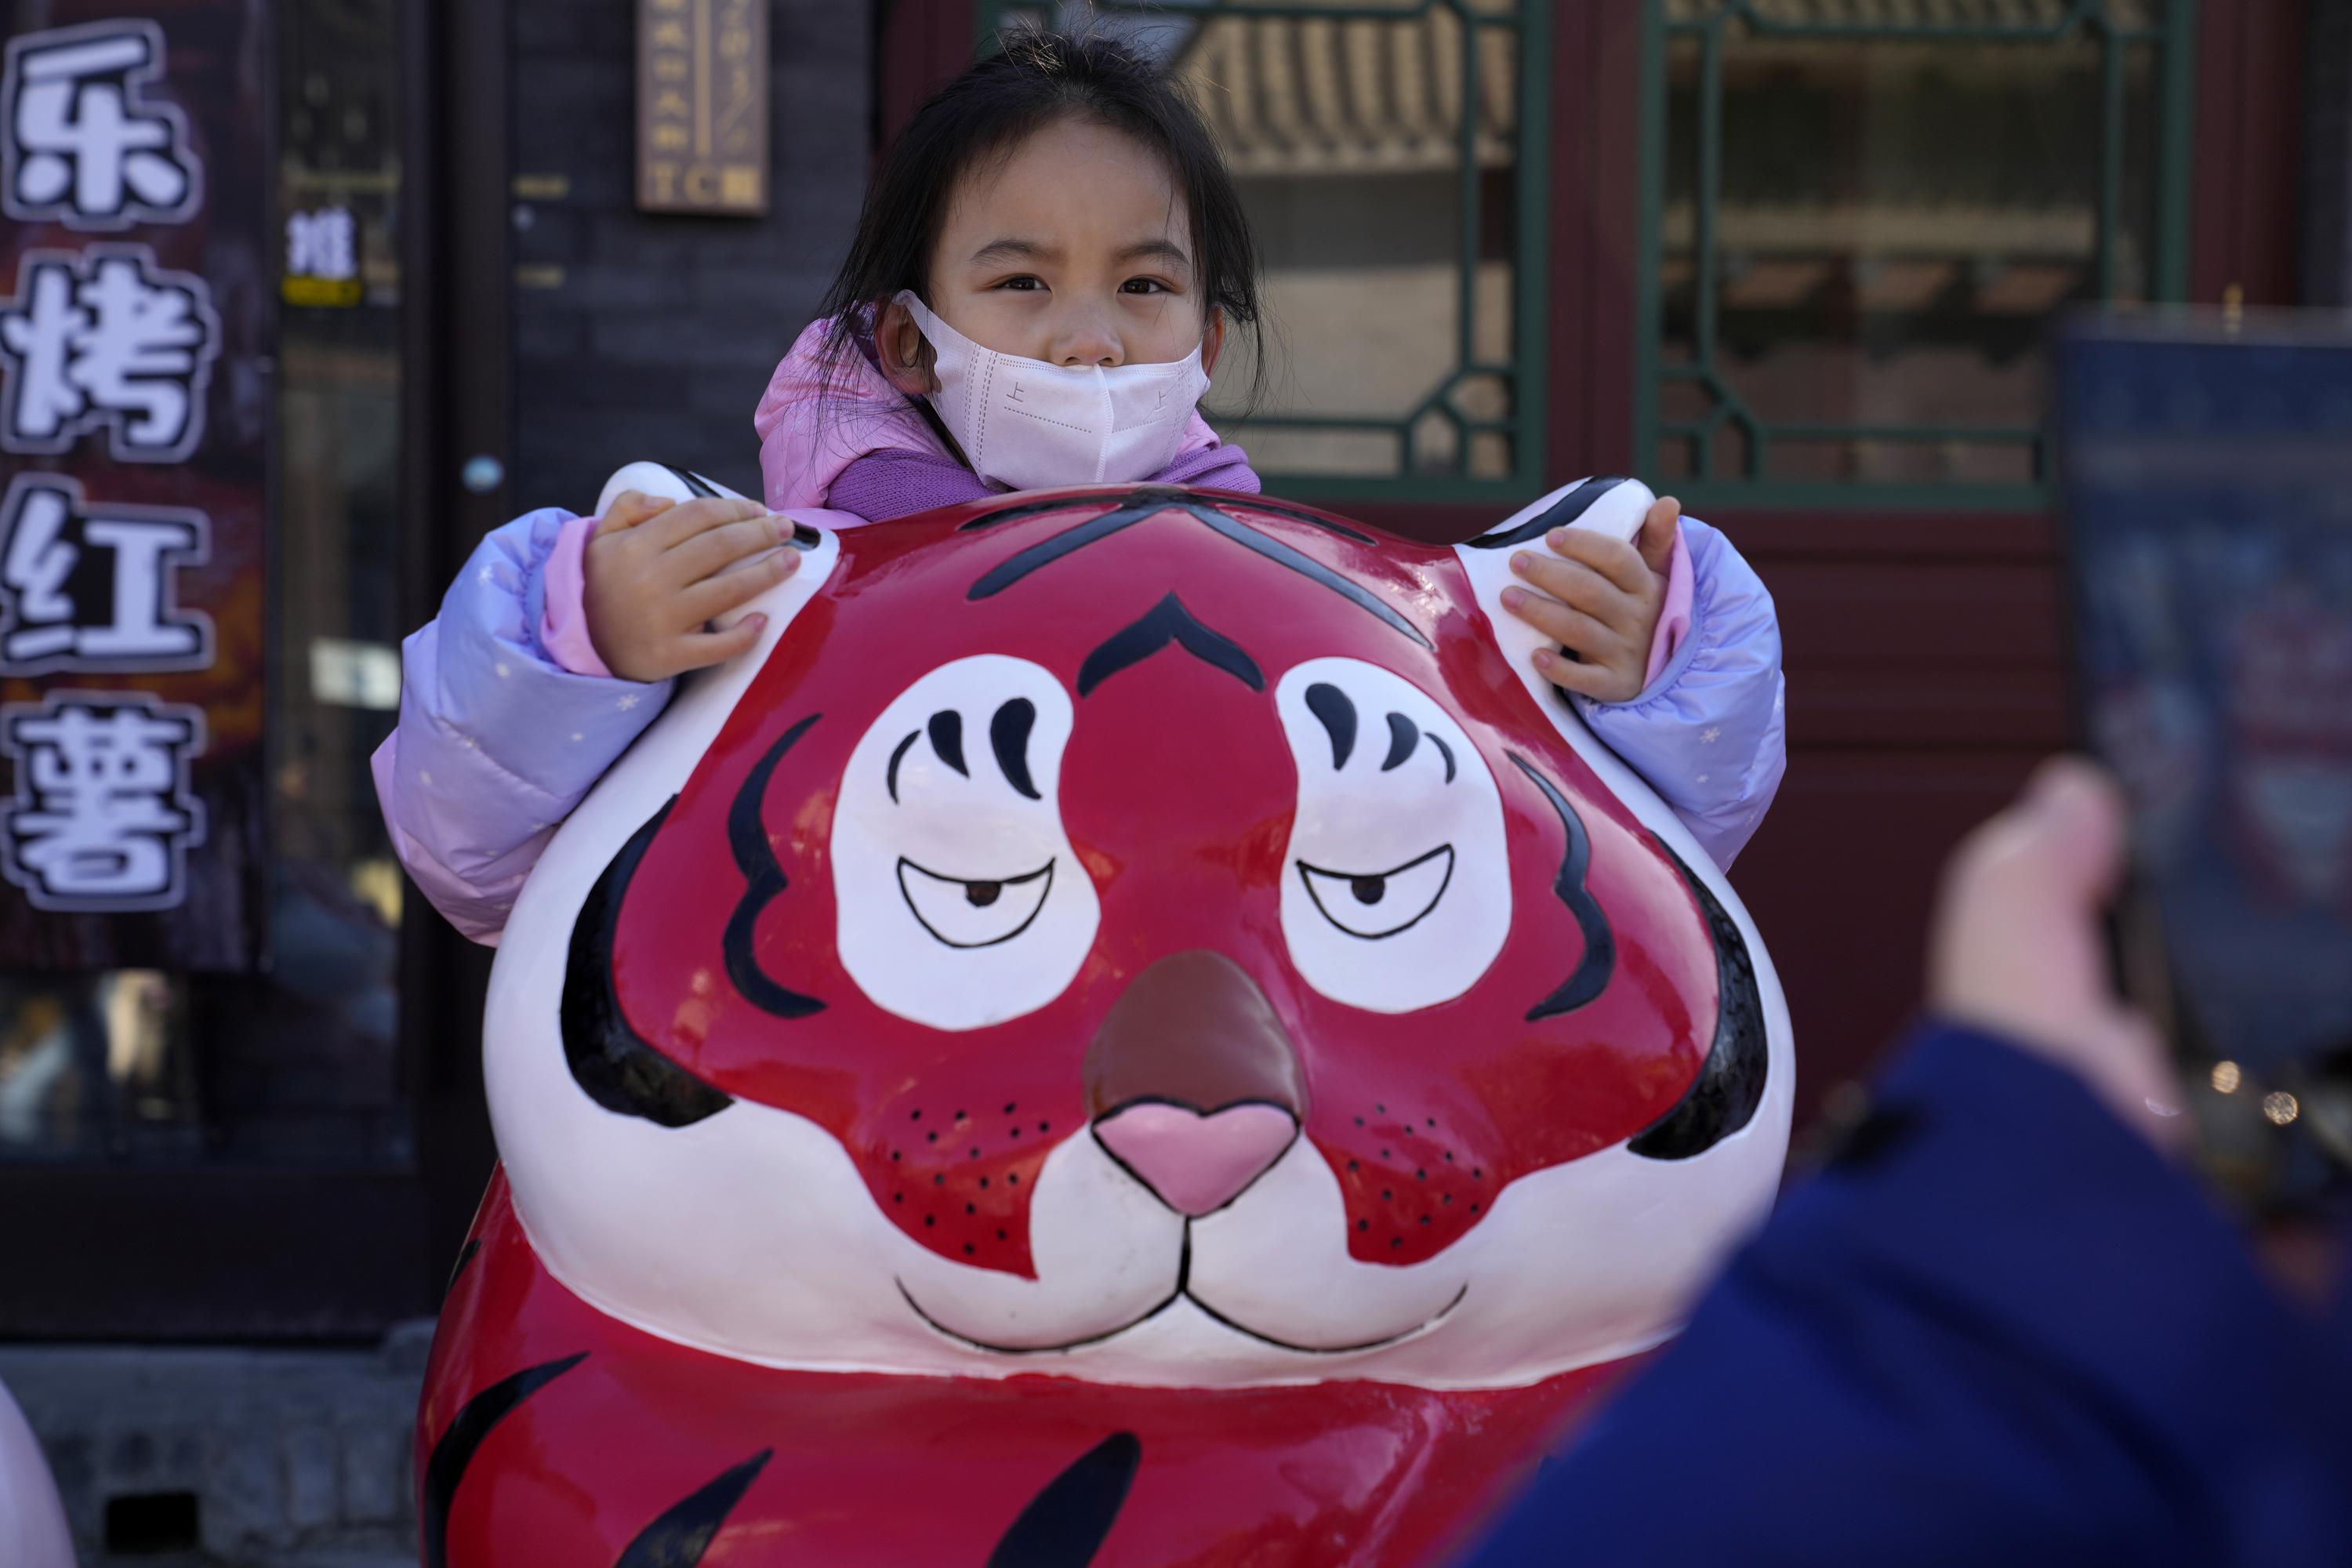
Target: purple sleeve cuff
x=563 y=624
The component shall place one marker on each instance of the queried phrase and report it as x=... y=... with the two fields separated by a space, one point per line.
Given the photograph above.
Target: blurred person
x=2003 y=1324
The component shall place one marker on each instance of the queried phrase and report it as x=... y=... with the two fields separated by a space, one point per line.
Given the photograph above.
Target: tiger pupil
x=1369 y=889
x=979 y=895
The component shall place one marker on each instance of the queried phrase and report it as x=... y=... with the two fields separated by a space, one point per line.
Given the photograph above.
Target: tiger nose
x=1192 y=1082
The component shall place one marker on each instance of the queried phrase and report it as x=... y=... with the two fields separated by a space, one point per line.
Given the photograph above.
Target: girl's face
x=1075 y=248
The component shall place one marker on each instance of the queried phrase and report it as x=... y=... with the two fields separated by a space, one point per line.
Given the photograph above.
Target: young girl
x=1058 y=211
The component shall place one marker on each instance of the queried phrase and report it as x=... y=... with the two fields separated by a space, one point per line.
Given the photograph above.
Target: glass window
x=1859 y=217
x=298 y=1064
x=1383 y=152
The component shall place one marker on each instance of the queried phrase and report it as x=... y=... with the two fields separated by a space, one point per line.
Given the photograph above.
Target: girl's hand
x=659 y=571
x=1604 y=599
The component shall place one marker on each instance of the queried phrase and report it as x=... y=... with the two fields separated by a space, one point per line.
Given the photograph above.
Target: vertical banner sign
x=134 y=417
x=703 y=107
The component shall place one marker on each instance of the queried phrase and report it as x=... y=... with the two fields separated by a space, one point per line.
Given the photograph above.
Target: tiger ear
x=1606 y=503
x=661 y=481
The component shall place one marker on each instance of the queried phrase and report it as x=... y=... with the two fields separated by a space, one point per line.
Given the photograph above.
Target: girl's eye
x=1143 y=286
x=1022 y=285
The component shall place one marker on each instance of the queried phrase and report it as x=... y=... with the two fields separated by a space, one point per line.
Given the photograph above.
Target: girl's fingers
x=714 y=550
x=1612 y=558
x=1569 y=628
x=702 y=649
x=1597 y=682
x=716 y=595
x=1573 y=583
x=630 y=507
x=1656 y=541
x=691 y=518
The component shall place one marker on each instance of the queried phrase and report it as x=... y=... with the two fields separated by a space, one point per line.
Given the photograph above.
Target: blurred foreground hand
x=2018 y=948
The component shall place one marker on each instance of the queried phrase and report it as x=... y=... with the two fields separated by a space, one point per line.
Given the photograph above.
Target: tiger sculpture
x=1132 y=1030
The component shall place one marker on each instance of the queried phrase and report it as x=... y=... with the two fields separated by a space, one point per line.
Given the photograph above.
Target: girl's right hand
x=659 y=571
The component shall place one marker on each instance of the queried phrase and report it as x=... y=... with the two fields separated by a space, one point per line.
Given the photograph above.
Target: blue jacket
x=498 y=742
x=1998 y=1328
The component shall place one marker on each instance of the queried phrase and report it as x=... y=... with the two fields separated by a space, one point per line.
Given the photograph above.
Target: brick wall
x=641 y=336
x=230 y=1458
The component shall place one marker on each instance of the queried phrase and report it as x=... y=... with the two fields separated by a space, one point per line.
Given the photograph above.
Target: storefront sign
x=703 y=107
x=134 y=413
x=322 y=258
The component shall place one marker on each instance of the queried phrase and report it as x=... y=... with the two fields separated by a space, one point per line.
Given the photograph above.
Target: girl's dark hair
x=1036 y=79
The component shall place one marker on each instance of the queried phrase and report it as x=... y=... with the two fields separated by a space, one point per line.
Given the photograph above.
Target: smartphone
x=2205 y=468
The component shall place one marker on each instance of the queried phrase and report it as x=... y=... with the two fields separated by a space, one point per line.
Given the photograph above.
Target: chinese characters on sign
x=97 y=591
x=130 y=522
x=702 y=106
x=84 y=148
x=104 y=340
x=103 y=819
x=322 y=258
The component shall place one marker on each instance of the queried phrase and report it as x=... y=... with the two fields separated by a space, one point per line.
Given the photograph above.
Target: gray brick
x=131 y=1457
x=551 y=86
x=557 y=232
x=766 y=288
x=408 y=1347
x=76 y=1474
x=675 y=338
x=374 y=1462
x=244 y=1492
x=312 y=1478
x=542 y=31
x=545 y=332
x=605 y=288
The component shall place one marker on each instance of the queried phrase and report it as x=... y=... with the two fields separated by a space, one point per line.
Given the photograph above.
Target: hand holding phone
x=2209 y=513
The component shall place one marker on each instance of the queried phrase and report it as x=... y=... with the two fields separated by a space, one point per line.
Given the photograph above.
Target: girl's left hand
x=1600 y=598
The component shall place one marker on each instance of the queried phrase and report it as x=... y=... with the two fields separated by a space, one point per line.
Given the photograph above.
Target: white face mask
x=1031 y=426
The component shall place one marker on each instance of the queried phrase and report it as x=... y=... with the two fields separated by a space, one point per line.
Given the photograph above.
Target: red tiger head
x=1150 y=936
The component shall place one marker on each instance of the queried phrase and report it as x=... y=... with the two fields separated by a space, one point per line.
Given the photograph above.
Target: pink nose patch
x=1197 y=1164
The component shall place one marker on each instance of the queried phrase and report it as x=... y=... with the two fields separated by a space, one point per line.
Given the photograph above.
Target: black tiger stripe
x=613 y=1064
x=1591 y=976
x=685 y=1530
x=1065 y=1524
x=464 y=1437
x=457 y=1270
x=1730 y=1084
x=1566 y=509
x=764 y=883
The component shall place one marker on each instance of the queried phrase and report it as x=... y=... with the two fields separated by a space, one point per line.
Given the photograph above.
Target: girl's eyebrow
x=1010 y=249
x=1013 y=249
x=1165 y=250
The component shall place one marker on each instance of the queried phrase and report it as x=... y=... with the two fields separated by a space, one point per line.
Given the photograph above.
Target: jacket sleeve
x=1710 y=732
x=1996 y=1328
x=497 y=741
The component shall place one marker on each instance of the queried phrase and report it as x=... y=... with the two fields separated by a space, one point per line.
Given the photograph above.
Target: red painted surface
x=951 y=1129
x=906 y=1472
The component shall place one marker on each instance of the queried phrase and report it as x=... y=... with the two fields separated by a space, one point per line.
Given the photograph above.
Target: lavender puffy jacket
x=498 y=742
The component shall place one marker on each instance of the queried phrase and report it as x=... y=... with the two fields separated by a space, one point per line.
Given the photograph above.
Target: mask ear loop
x=924 y=320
